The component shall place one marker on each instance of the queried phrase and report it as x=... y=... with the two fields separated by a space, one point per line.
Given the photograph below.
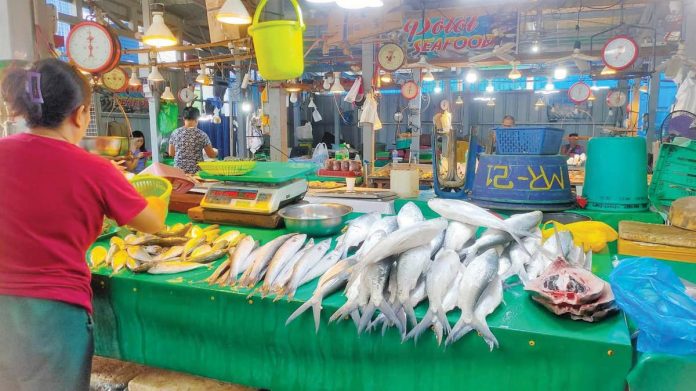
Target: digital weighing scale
x=263 y=191
x=253 y=197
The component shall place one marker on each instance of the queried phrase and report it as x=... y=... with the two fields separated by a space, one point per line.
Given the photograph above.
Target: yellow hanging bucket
x=278 y=45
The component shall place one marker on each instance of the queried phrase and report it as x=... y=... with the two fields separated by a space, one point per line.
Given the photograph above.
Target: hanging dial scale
x=92 y=48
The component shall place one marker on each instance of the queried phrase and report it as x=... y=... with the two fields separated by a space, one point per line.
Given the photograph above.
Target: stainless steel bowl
x=315 y=219
x=106 y=145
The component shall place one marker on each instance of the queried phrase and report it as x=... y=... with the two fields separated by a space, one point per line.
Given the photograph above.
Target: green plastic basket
x=153 y=186
x=674 y=175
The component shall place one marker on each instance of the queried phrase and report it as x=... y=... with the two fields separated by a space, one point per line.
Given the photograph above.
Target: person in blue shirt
x=572 y=148
x=139 y=152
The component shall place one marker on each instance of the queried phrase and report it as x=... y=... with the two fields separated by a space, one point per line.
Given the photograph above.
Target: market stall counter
x=182 y=323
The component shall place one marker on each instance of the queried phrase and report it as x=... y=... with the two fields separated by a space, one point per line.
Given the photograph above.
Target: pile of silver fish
x=401 y=261
x=281 y=266
x=177 y=249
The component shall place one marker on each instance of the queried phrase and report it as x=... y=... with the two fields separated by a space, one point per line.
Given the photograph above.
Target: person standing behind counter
x=137 y=162
x=572 y=148
x=54 y=196
x=188 y=142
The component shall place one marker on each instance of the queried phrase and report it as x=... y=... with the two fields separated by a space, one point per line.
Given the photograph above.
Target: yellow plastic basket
x=227 y=168
x=153 y=186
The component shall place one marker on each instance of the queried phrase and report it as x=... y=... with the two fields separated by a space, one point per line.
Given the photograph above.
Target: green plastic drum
x=616 y=177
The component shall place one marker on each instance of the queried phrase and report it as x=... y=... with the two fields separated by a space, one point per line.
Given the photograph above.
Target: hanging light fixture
x=158 y=34
x=459 y=100
x=514 y=73
x=358 y=4
x=233 y=12
x=471 y=76
x=607 y=71
x=560 y=73
x=167 y=94
x=539 y=103
x=134 y=79
x=437 y=89
x=491 y=103
x=535 y=47
x=203 y=77
x=246 y=107
x=549 y=85
x=428 y=76
x=155 y=74
x=337 y=88
x=386 y=77
x=489 y=88
x=592 y=97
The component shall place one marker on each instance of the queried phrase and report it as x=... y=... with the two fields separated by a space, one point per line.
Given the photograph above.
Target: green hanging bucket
x=278 y=45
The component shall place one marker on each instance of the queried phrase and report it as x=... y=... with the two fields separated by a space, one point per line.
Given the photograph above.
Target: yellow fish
x=97 y=256
x=119 y=262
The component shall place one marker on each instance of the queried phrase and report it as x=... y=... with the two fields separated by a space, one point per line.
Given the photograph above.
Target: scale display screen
x=233 y=194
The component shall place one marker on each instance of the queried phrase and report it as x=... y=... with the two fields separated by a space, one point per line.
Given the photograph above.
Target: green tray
x=268 y=172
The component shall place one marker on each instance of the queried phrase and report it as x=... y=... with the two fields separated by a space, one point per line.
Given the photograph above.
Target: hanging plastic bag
x=652 y=295
x=320 y=154
x=167 y=119
x=316 y=116
x=353 y=92
x=304 y=132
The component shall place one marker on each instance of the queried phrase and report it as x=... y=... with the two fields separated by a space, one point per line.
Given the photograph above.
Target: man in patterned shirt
x=188 y=142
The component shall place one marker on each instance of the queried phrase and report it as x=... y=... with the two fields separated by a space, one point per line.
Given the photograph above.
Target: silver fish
x=387 y=224
x=310 y=259
x=449 y=301
x=325 y=262
x=376 y=276
x=330 y=282
x=286 y=273
x=358 y=230
x=405 y=239
x=241 y=258
x=152 y=249
x=490 y=299
x=409 y=215
x=411 y=265
x=172 y=267
x=263 y=255
x=457 y=235
x=284 y=254
x=357 y=294
x=490 y=238
x=224 y=267
x=475 y=278
x=442 y=273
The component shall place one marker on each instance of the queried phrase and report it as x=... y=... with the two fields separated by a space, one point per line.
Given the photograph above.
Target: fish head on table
x=405 y=239
x=387 y=224
x=409 y=215
x=358 y=230
x=562 y=282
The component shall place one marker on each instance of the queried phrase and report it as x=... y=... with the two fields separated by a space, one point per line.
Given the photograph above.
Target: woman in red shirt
x=53 y=198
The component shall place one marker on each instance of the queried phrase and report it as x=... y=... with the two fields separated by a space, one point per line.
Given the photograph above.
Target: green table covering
x=179 y=322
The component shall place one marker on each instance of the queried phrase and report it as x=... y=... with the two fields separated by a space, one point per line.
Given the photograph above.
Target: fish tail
x=355 y=315
x=442 y=318
x=366 y=317
x=439 y=330
x=420 y=327
x=387 y=310
x=279 y=294
x=300 y=310
x=482 y=327
x=253 y=292
x=316 y=311
x=458 y=331
x=344 y=309
x=385 y=326
x=408 y=309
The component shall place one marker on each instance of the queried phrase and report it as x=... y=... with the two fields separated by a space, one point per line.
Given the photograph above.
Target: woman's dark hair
x=61 y=86
x=191 y=113
x=139 y=134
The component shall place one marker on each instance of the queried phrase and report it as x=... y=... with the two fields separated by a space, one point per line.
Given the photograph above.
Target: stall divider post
x=368 y=135
x=153 y=101
x=278 y=114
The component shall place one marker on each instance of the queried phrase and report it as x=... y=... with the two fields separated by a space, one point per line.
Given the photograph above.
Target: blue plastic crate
x=528 y=141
